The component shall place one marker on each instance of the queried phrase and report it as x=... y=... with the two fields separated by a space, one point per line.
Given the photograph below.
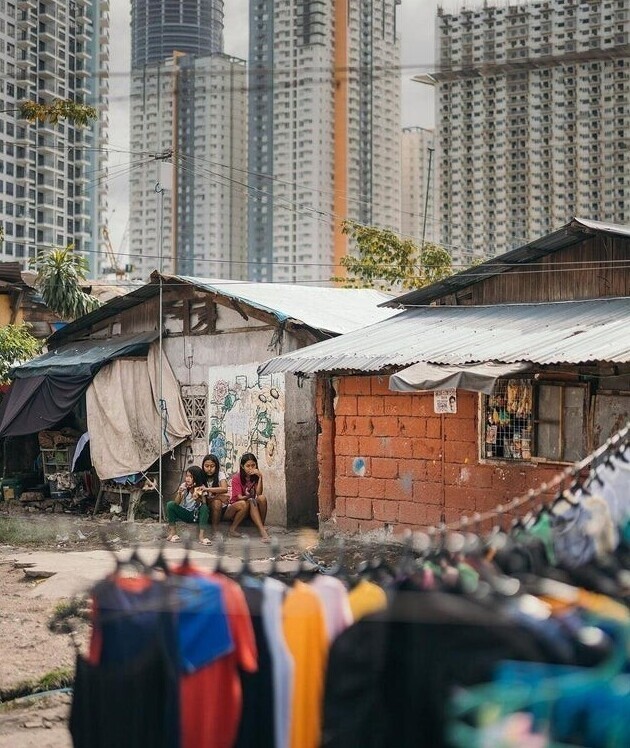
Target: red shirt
x=238 y=489
x=211 y=699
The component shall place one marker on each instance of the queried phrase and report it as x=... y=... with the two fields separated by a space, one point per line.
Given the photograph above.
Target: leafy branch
x=52 y=112
x=387 y=262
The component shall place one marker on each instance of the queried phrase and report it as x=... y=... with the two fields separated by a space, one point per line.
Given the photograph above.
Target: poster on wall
x=445 y=401
x=246 y=414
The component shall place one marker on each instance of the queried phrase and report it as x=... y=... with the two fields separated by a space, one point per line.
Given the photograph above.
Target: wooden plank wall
x=596 y=268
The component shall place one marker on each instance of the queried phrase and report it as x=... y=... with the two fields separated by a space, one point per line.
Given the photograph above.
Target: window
x=195 y=399
x=524 y=420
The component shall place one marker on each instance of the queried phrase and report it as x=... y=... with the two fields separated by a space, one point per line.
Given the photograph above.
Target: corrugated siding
x=567 y=332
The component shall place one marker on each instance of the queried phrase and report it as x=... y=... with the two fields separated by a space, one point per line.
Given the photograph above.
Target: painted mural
x=246 y=414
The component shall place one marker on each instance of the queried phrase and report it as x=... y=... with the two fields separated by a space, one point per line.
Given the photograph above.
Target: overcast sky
x=417 y=21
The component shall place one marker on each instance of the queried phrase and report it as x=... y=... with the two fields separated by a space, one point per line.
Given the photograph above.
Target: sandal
x=205 y=541
x=173 y=539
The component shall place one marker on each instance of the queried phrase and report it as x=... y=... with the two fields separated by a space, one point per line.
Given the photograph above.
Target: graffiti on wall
x=246 y=414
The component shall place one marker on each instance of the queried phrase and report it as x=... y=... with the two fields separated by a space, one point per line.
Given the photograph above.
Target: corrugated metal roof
x=548 y=333
x=336 y=310
x=331 y=310
x=572 y=233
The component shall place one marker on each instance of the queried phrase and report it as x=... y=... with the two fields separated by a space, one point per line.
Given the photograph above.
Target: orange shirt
x=305 y=634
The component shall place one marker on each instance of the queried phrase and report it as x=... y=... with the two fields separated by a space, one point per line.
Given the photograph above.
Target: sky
x=417 y=22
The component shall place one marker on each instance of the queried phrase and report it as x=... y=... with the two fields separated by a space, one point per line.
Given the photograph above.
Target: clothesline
x=516 y=503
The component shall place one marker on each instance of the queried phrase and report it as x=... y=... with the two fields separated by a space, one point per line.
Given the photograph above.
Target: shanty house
x=215 y=335
x=484 y=386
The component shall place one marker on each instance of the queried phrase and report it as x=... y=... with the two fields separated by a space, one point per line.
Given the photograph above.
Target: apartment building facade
x=533 y=120
x=324 y=131
x=418 y=219
x=191 y=113
x=53 y=176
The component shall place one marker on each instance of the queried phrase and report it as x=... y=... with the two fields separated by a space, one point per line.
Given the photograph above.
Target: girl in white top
x=216 y=494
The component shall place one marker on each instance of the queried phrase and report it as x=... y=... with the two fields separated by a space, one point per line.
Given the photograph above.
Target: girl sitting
x=247 y=486
x=216 y=493
x=189 y=506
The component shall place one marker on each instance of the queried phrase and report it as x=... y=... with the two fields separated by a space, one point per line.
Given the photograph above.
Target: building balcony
x=48 y=33
x=104 y=20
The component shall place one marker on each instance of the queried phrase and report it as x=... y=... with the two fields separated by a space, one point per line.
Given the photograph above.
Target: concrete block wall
x=387 y=461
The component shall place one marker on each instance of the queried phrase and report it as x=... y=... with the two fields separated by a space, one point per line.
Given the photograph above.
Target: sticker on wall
x=445 y=401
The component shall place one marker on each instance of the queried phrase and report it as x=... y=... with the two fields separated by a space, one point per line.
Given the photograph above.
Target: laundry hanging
x=513 y=637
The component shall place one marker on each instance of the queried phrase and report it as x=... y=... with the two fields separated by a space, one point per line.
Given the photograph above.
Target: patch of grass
x=19 y=531
x=61 y=620
x=58 y=678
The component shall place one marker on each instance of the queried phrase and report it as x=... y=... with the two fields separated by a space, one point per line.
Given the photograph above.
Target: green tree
x=17 y=345
x=387 y=262
x=53 y=111
x=60 y=273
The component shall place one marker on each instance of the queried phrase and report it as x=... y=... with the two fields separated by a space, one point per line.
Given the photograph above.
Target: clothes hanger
x=160 y=563
x=186 y=563
x=246 y=570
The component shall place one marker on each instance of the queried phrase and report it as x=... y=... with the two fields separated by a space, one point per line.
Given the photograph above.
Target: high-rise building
x=192 y=114
x=52 y=175
x=533 y=120
x=417 y=184
x=324 y=122
x=159 y=28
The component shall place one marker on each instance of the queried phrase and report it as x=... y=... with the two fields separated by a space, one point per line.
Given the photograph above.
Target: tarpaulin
x=85 y=357
x=40 y=402
x=127 y=434
x=475 y=377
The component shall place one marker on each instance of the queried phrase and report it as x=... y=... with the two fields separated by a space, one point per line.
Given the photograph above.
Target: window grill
x=195 y=399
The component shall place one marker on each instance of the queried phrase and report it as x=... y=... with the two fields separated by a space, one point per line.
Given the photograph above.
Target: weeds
x=59 y=678
x=65 y=611
x=19 y=531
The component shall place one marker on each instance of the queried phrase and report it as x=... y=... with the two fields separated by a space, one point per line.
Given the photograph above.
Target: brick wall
x=394 y=462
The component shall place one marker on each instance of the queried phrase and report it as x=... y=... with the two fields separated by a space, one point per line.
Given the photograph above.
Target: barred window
x=525 y=419
x=195 y=399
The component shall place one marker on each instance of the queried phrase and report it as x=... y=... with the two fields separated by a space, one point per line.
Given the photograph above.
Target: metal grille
x=508 y=421
x=195 y=398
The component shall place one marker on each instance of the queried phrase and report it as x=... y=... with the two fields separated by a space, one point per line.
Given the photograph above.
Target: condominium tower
x=53 y=176
x=533 y=120
x=417 y=185
x=161 y=27
x=324 y=131
x=188 y=120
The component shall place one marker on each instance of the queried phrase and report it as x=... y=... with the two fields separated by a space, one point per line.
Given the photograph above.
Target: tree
x=387 y=262
x=53 y=111
x=60 y=273
x=17 y=345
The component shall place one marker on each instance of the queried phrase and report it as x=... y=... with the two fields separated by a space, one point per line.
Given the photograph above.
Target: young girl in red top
x=247 y=485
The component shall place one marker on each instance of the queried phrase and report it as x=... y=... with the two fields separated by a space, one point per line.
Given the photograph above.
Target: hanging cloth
x=123 y=414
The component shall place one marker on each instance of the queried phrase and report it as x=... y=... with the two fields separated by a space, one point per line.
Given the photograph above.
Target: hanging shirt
x=256 y=728
x=334 y=598
x=305 y=632
x=366 y=598
x=281 y=660
x=127 y=705
x=211 y=698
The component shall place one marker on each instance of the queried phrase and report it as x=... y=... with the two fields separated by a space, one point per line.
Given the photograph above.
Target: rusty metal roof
x=573 y=232
x=569 y=332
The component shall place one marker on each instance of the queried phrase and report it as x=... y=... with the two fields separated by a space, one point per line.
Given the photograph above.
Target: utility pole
x=426 y=202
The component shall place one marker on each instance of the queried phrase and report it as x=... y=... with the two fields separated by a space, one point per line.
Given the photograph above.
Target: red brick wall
x=387 y=459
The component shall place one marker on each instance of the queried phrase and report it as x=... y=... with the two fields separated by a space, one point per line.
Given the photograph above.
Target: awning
x=47 y=388
x=86 y=357
x=39 y=402
x=474 y=377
